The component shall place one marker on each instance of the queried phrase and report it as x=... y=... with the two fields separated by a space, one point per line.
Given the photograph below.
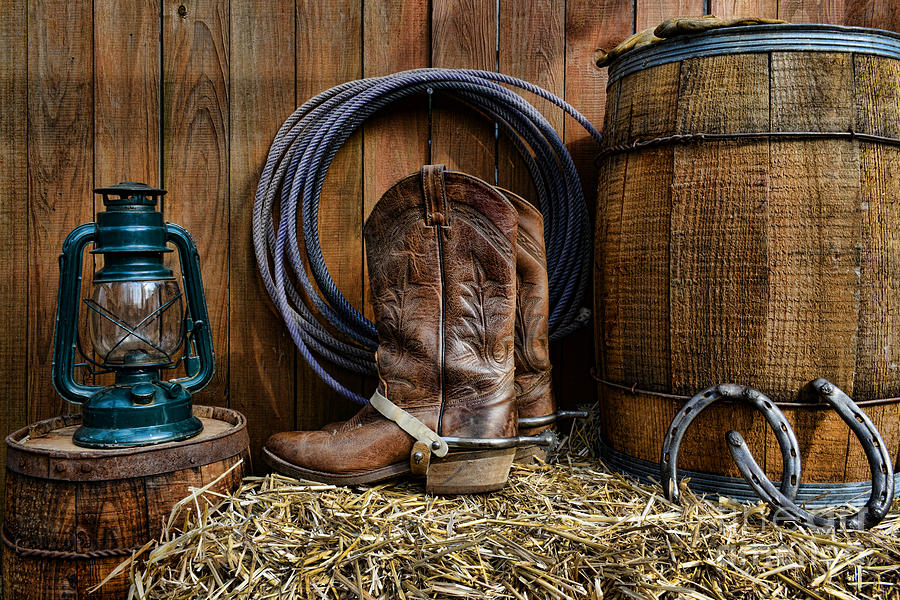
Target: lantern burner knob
x=142 y=393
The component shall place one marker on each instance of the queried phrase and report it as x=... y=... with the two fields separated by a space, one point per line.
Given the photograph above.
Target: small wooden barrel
x=73 y=514
x=748 y=231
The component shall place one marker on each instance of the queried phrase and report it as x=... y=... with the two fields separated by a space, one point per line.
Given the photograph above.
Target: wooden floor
x=188 y=95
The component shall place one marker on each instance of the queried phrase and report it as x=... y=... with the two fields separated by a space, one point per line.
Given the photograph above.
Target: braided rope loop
x=321 y=322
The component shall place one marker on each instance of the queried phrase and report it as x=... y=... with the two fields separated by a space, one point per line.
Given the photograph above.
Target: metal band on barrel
x=758 y=39
x=691 y=138
x=813 y=495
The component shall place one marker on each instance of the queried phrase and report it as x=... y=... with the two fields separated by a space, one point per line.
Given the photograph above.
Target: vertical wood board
x=195 y=154
x=60 y=159
x=328 y=53
x=14 y=201
x=261 y=354
x=464 y=35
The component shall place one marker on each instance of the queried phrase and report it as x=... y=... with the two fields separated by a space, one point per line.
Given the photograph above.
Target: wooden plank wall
x=187 y=94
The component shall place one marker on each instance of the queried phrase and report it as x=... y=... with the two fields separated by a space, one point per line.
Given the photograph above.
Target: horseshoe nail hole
x=784 y=427
x=858 y=417
x=883 y=496
x=768 y=404
x=755 y=479
x=793 y=453
x=688 y=409
x=673 y=431
x=667 y=457
x=875 y=442
x=884 y=468
x=793 y=480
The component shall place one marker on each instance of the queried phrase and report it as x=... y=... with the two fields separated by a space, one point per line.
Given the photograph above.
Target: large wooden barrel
x=73 y=514
x=748 y=231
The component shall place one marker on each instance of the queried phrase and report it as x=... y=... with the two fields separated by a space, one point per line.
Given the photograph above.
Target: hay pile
x=568 y=530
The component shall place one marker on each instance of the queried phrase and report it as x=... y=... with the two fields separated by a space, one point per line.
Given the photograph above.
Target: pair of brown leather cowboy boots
x=458 y=278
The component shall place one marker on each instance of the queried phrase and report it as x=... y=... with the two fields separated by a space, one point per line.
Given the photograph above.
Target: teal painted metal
x=140 y=408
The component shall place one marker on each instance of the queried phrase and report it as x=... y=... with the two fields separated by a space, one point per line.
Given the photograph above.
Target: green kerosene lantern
x=137 y=325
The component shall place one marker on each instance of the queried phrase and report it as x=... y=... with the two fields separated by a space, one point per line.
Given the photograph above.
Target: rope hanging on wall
x=291 y=185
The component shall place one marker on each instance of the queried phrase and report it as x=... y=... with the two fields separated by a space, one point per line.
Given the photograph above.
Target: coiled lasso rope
x=291 y=184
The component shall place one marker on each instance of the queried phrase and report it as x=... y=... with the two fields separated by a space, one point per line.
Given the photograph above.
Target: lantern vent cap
x=128 y=194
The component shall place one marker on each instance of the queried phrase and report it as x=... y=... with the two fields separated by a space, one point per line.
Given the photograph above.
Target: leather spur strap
x=408 y=423
x=437 y=209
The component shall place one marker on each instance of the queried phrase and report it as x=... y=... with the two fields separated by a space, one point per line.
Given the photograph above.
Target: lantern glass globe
x=136 y=323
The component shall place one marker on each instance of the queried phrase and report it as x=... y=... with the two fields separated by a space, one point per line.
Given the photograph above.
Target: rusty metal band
x=25 y=552
x=634 y=389
x=758 y=39
x=809 y=494
x=691 y=138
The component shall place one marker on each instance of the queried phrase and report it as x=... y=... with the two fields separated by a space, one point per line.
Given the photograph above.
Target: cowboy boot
x=440 y=251
x=534 y=395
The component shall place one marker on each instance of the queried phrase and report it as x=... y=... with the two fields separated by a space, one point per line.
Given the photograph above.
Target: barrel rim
x=756 y=39
x=119 y=463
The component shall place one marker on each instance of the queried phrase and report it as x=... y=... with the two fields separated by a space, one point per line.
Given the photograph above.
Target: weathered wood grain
x=872 y=13
x=126 y=92
x=608 y=255
x=60 y=158
x=650 y=14
x=14 y=202
x=803 y=11
x=531 y=47
x=640 y=335
x=877 y=110
x=813 y=230
x=464 y=35
x=195 y=154
x=110 y=515
x=261 y=355
x=396 y=141
x=814 y=260
x=730 y=9
x=718 y=277
x=328 y=53
x=590 y=26
x=650 y=104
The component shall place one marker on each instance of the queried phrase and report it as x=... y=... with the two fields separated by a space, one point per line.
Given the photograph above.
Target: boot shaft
x=441 y=254
x=534 y=394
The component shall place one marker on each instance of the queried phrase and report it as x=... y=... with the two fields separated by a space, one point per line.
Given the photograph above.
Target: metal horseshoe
x=879 y=458
x=787 y=441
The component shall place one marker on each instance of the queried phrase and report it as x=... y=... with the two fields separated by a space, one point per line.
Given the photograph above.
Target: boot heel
x=531 y=454
x=469 y=472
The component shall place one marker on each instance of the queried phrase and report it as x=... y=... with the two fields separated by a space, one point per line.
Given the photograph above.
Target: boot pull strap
x=437 y=208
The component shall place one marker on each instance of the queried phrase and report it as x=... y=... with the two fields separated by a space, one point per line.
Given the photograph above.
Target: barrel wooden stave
x=710 y=270
x=88 y=516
